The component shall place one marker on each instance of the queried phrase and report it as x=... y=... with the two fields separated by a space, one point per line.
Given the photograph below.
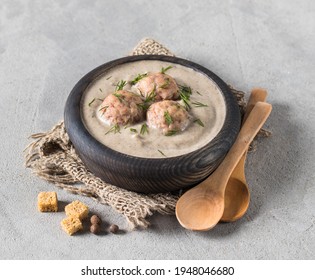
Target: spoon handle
x=250 y=128
x=257 y=94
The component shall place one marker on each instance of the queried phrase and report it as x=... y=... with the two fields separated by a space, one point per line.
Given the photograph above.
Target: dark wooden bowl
x=150 y=175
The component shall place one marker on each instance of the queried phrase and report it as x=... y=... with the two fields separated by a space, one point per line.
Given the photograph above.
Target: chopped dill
x=148 y=99
x=171 y=133
x=162 y=153
x=108 y=77
x=126 y=125
x=166 y=83
x=168 y=118
x=92 y=102
x=198 y=92
x=133 y=130
x=120 y=85
x=144 y=106
x=151 y=96
x=144 y=129
x=119 y=96
x=115 y=129
x=103 y=109
x=199 y=104
x=198 y=121
x=184 y=94
x=186 y=91
x=138 y=78
x=163 y=70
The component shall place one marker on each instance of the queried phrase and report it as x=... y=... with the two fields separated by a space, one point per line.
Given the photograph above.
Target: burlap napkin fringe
x=52 y=157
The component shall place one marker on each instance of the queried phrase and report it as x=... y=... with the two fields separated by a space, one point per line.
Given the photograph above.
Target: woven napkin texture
x=52 y=157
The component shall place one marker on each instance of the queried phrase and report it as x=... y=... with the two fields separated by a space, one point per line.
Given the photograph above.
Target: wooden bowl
x=150 y=175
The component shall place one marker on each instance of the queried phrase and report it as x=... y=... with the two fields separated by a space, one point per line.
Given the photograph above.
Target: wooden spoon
x=237 y=195
x=201 y=208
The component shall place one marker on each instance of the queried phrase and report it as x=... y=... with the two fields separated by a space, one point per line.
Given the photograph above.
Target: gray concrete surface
x=45 y=48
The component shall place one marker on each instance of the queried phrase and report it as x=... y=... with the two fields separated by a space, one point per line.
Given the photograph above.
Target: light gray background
x=47 y=46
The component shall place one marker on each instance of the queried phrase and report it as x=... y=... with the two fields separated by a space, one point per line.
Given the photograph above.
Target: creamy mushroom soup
x=199 y=95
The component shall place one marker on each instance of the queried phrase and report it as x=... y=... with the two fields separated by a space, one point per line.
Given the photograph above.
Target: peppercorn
x=95 y=220
x=95 y=228
x=113 y=228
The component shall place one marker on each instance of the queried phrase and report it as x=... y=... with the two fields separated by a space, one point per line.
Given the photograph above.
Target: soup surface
x=206 y=110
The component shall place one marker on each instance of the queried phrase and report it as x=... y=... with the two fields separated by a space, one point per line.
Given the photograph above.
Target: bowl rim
x=222 y=141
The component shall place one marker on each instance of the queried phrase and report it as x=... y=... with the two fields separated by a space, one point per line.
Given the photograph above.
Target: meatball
x=168 y=116
x=122 y=107
x=160 y=85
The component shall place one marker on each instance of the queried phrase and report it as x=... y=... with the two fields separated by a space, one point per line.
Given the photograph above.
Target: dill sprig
x=148 y=100
x=144 y=106
x=103 y=109
x=115 y=129
x=151 y=96
x=119 y=96
x=171 y=132
x=163 y=70
x=138 y=78
x=198 y=121
x=92 y=102
x=162 y=153
x=144 y=129
x=199 y=104
x=168 y=118
x=184 y=94
x=166 y=83
x=126 y=125
x=120 y=85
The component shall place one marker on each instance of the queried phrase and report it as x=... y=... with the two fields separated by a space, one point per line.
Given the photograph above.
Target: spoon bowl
x=202 y=207
x=200 y=203
x=236 y=200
